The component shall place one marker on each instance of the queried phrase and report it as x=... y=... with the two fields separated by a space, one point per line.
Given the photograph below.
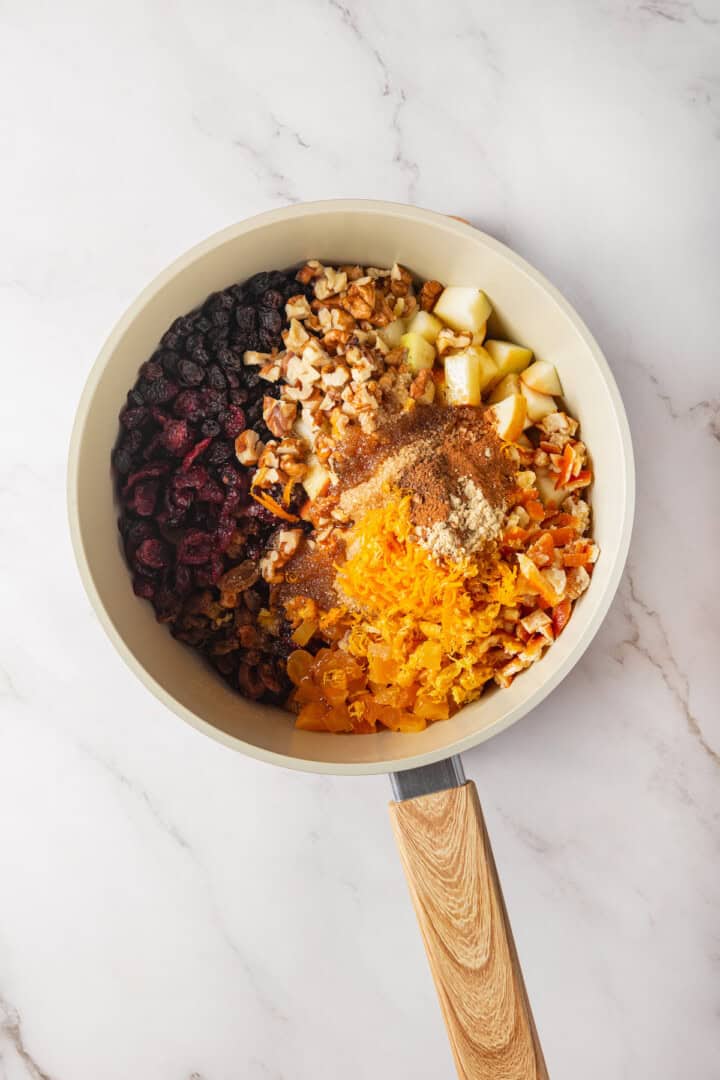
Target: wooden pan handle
x=450 y=869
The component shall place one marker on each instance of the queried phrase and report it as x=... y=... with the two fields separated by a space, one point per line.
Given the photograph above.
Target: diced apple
x=509 y=415
x=480 y=335
x=426 y=324
x=543 y=377
x=420 y=353
x=467 y=374
x=302 y=429
x=316 y=480
x=392 y=333
x=463 y=308
x=538 y=405
x=510 y=359
x=508 y=385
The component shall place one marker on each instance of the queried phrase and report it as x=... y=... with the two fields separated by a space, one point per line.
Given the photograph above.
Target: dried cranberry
x=177 y=437
x=149 y=471
x=194 y=547
x=195 y=453
x=234 y=422
x=143 y=587
x=188 y=405
x=144 y=497
x=154 y=554
x=136 y=532
x=183 y=579
x=190 y=373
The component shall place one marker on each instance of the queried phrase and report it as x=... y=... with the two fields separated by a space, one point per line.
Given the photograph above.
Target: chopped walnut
x=338 y=377
x=310 y=270
x=279 y=415
x=296 y=336
x=248 y=447
x=360 y=299
x=298 y=307
x=400 y=280
x=430 y=294
x=422 y=388
x=448 y=339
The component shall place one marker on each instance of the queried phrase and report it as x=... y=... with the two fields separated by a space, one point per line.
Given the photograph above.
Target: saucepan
x=436 y=815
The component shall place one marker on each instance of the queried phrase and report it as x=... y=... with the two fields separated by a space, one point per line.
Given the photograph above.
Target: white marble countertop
x=170 y=910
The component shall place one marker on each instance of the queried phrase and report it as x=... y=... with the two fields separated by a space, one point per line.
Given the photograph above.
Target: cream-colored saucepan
x=436 y=818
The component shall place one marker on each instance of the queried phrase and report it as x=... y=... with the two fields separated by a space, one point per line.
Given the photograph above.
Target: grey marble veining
x=171 y=911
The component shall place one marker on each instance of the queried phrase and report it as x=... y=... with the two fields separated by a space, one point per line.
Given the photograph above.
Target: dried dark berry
x=133 y=441
x=230 y=359
x=201 y=356
x=194 y=341
x=217 y=338
x=246 y=317
x=151 y=370
x=210 y=428
x=216 y=378
x=202 y=325
x=266 y=340
x=160 y=391
x=259 y=283
x=212 y=401
x=220 y=452
x=220 y=318
x=273 y=299
x=123 y=461
x=135 y=398
x=132 y=418
x=143 y=587
x=169 y=360
x=190 y=373
x=270 y=321
x=238 y=293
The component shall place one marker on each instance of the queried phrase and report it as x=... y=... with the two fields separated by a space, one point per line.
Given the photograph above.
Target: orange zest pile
x=417 y=637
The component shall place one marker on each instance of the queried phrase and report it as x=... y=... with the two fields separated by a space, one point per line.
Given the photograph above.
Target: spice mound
x=351 y=500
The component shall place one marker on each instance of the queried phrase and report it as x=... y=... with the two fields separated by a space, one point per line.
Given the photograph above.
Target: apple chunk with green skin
x=509 y=416
x=426 y=324
x=463 y=308
x=538 y=405
x=510 y=359
x=543 y=377
x=420 y=353
x=467 y=374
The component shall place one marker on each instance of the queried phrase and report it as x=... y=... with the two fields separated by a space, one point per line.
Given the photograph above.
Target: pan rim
x=382 y=765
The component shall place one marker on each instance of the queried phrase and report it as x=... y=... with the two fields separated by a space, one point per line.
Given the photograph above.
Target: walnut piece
x=248 y=447
x=360 y=299
x=297 y=307
x=430 y=294
x=279 y=415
